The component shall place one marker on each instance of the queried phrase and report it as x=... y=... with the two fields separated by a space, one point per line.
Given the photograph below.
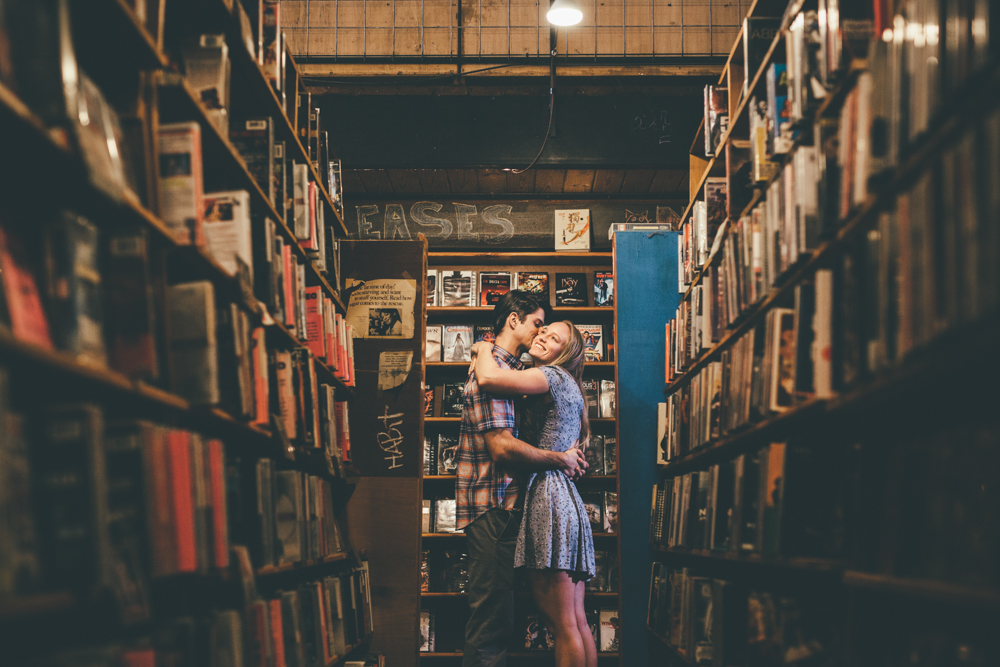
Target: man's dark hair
x=518 y=302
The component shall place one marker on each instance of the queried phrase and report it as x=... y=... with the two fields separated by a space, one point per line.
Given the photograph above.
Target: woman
x=555 y=543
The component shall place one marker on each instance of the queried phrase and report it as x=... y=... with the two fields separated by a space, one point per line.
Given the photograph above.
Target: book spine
x=181 y=182
x=182 y=500
x=315 y=318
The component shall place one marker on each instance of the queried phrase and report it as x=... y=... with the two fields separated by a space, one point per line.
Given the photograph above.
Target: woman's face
x=549 y=342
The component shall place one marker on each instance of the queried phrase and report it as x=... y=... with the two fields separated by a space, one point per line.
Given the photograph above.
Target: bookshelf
x=828 y=487
x=449 y=608
x=128 y=418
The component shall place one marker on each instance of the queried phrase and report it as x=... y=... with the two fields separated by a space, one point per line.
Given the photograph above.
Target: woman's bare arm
x=491 y=377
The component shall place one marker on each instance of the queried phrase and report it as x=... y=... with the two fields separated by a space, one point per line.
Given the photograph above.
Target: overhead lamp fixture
x=564 y=13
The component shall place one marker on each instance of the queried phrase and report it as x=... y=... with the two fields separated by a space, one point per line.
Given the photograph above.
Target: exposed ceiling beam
x=377 y=70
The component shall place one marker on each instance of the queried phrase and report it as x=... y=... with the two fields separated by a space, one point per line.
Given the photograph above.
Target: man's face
x=526 y=330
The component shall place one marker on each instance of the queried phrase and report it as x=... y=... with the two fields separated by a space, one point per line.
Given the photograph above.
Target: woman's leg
x=555 y=595
x=589 y=643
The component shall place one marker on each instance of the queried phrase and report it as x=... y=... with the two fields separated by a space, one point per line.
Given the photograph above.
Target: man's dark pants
x=491 y=540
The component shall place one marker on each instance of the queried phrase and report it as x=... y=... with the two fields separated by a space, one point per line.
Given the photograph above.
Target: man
x=489 y=486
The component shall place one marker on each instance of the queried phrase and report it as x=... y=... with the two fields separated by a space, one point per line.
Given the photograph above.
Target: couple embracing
x=514 y=491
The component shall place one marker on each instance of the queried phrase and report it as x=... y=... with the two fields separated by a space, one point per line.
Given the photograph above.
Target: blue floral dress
x=555 y=532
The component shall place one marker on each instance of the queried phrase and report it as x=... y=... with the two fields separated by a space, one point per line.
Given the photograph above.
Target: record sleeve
x=456 y=342
x=458 y=288
x=571 y=289
x=604 y=288
x=492 y=286
x=432 y=344
x=572 y=230
x=593 y=341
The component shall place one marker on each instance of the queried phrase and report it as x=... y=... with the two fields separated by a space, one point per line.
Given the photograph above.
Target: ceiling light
x=564 y=12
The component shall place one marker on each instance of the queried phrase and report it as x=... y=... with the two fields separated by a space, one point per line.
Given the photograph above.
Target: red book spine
x=289 y=285
x=315 y=340
x=277 y=630
x=217 y=489
x=259 y=634
x=27 y=318
x=349 y=334
x=261 y=393
x=138 y=657
x=182 y=499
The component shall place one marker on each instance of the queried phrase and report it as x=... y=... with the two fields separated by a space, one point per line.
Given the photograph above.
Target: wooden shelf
x=33 y=605
x=980 y=90
x=302 y=565
x=585 y=478
x=433 y=420
x=704 y=557
x=589 y=594
x=464 y=365
x=673 y=651
x=178 y=102
x=968 y=352
x=480 y=258
x=248 y=71
x=924 y=589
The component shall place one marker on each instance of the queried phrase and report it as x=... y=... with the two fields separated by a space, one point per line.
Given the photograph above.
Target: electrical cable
x=552 y=109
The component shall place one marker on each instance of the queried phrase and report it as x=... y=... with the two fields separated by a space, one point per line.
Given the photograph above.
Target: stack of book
x=713 y=621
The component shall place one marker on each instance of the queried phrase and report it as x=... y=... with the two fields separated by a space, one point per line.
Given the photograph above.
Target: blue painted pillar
x=646 y=298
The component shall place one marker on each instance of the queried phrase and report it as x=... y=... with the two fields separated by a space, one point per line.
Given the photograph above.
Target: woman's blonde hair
x=573 y=358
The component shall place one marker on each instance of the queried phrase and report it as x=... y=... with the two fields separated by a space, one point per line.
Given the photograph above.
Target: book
x=591 y=395
x=610 y=455
x=609 y=640
x=604 y=288
x=492 y=286
x=758 y=35
x=458 y=288
x=447 y=455
x=572 y=230
x=483 y=332
x=95 y=135
x=595 y=455
x=536 y=636
x=593 y=341
x=593 y=502
x=571 y=289
x=452 y=399
x=193 y=343
x=181 y=182
x=289 y=522
x=131 y=307
x=533 y=282
x=226 y=226
x=608 y=400
x=427 y=643
x=73 y=288
x=456 y=342
x=610 y=512
x=716 y=117
x=431 y=287
x=20 y=560
x=716 y=189
x=662 y=441
x=432 y=343
x=254 y=139
x=444 y=515
x=207 y=71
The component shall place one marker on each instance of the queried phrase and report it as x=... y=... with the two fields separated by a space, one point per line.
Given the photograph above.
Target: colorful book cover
x=456 y=342
x=593 y=341
x=483 y=332
x=533 y=282
x=571 y=289
x=572 y=231
x=492 y=286
x=604 y=288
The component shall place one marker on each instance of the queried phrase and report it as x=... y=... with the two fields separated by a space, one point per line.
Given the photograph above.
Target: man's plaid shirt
x=481 y=484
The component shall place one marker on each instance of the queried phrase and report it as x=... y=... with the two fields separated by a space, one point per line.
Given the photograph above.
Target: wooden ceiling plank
x=579 y=180
x=405 y=181
x=608 y=181
x=523 y=182
x=667 y=181
x=463 y=181
x=352 y=182
x=492 y=181
x=550 y=180
x=638 y=180
x=376 y=181
x=433 y=182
